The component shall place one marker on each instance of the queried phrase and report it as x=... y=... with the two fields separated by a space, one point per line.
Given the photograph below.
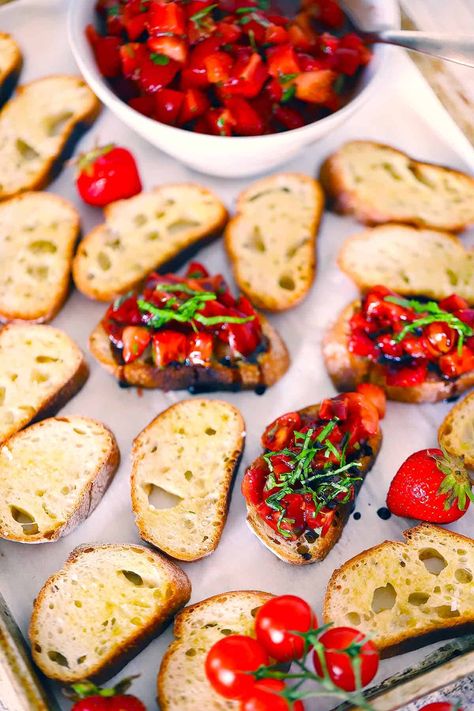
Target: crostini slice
x=52 y=476
x=378 y=183
x=151 y=231
x=38 y=232
x=300 y=492
x=214 y=342
x=358 y=350
x=182 y=683
x=10 y=65
x=397 y=256
x=191 y=453
x=106 y=603
x=405 y=595
x=41 y=368
x=38 y=129
x=456 y=432
x=271 y=241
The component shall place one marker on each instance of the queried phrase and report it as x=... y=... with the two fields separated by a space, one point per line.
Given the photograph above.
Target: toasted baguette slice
x=347 y=370
x=52 y=476
x=10 y=65
x=407 y=594
x=41 y=368
x=105 y=604
x=268 y=368
x=378 y=183
x=397 y=256
x=38 y=232
x=456 y=432
x=191 y=453
x=182 y=683
x=148 y=232
x=38 y=129
x=301 y=552
x=271 y=241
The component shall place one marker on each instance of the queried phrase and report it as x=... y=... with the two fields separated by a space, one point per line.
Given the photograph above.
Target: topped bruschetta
x=417 y=350
x=300 y=492
x=188 y=332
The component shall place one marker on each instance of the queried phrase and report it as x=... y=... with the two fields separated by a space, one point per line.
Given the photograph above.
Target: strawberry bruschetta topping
x=411 y=338
x=311 y=465
x=192 y=319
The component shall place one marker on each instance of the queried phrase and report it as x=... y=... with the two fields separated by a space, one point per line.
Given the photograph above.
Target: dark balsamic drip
x=357 y=516
x=383 y=513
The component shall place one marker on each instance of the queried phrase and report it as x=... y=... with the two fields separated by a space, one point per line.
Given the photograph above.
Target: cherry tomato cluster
x=242 y=668
x=354 y=418
x=234 y=329
x=408 y=361
x=228 y=67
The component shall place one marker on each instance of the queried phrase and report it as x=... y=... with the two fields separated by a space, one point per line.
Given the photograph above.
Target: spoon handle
x=454 y=48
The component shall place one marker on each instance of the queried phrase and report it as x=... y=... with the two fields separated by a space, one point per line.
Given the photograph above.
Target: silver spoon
x=454 y=48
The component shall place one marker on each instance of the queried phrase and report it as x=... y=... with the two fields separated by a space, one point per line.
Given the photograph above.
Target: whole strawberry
x=431 y=486
x=107 y=174
x=89 y=697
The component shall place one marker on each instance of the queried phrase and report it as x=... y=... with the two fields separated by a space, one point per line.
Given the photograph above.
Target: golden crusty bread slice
x=406 y=594
x=378 y=183
x=187 y=455
x=269 y=366
x=38 y=232
x=347 y=370
x=146 y=233
x=38 y=128
x=271 y=241
x=397 y=256
x=105 y=604
x=456 y=432
x=302 y=552
x=10 y=65
x=182 y=683
x=52 y=476
x=41 y=368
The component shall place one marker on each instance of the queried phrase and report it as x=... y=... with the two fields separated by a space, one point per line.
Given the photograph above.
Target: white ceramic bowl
x=222 y=155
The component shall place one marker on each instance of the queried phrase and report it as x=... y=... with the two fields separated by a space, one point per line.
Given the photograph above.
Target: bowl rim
x=90 y=72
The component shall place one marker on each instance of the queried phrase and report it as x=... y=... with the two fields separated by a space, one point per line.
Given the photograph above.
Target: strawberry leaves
x=456 y=485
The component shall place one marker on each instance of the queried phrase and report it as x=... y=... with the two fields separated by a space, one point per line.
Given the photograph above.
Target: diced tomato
x=168 y=347
x=407 y=377
x=334 y=407
x=218 y=67
x=288 y=117
x=278 y=435
x=195 y=104
x=363 y=418
x=315 y=87
x=155 y=73
x=453 y=303
x=173 y=47
x=253 y=482
x=132 y=55
x=247 y=121
x=107 y=54
x=455 y=364
x=376 y=396
x=135 y=340
x=143 y=104
x=168 y=103
x=321 y=520
x=166 y=18
x=200 y=348
x=282 y=59
x=196 y=270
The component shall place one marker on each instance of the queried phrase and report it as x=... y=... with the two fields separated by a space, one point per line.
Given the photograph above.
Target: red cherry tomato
x=254 y=481
x=341 y=645
x=107 y=174
x=276 y=622
x=376 y=395
x=279 y=433
x=441 y=706
x=228 y=663
x=266 y=697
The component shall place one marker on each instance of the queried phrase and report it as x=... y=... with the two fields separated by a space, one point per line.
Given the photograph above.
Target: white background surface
x=407 y=115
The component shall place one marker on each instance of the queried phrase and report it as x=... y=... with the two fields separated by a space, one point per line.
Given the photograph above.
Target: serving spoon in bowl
x=452 y=47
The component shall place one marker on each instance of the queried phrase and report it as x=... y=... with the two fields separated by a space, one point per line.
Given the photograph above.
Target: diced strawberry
x=376 y=396
x=173 y=47
x=107 y=55
x=220 y=122
x=156 y=72
x=168 y=103
x=143 y=104
x=135 y=340
x=288 y=117
x=407 y=377
x=195 y=104
x=247 y=120
x=455 y=364
x=347 y=60
x=218 y=67
x=282 y=59
x=315 y=87
x=228 y=30
x=166 y=18
x=196 y=270
x=276 y=34
x=200 y=348
x=132 y=55
x=280 y=432
x=168 y=347
x=453 y=303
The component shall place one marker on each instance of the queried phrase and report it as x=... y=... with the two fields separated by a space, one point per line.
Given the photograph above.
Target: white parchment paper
x=406 y=114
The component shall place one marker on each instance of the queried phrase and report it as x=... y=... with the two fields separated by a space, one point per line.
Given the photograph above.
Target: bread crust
x=294 y=552
x=345 y=201
x=222 y=503
x=174 y=262
x=112 y=663
x=347 y=370
x=449 y=424
x=404 y=641
x=269 y=368
x=64 y=285
x=10 y=76
x=70 y=135
x=268 y=303
x=164 y=702
x=91 y=495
